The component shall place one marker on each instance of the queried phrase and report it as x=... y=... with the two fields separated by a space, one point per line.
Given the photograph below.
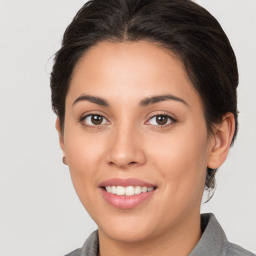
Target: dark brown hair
x=181 y=26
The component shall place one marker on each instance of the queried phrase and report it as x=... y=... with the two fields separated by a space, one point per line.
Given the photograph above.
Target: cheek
x=84 y=156
x=82 y=150
x=182 y=161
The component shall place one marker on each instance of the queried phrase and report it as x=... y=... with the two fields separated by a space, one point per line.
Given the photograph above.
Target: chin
x=128 y=230
x=128 y=236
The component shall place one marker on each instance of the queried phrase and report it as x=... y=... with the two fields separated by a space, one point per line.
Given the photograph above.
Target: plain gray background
x=40 y=213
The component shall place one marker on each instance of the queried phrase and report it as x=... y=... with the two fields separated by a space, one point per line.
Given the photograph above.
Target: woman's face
x=134 y=120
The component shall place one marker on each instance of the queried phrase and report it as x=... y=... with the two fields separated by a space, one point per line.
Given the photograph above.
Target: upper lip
x=126 y=182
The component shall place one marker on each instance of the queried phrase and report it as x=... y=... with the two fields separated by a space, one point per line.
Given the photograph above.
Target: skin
x=130 y=143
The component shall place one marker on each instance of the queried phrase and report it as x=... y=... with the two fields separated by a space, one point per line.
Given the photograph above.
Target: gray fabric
x=212 y=243
x=90 y=247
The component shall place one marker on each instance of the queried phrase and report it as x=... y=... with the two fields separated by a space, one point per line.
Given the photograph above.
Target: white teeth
x=120 y=191
x=144 y=189
x=127 y=191
x=113 y=190
x=137 y=190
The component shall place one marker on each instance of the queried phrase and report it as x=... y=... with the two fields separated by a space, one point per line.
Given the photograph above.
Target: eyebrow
x=93 y=99
x=145 y=102
x=155 y=99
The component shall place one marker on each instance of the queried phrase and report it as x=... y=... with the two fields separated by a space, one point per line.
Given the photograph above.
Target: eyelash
x=82 y=119
x=171 y=119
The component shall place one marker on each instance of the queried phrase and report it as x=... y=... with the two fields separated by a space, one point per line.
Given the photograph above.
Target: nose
x=126 y=148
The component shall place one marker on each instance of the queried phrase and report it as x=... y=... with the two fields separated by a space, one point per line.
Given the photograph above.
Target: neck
x=179 y=241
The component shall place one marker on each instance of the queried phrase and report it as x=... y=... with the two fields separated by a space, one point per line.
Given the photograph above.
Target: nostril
x=132 y=163
x=123 y=165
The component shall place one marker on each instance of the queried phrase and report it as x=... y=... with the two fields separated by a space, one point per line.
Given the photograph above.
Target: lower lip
x=126 y=202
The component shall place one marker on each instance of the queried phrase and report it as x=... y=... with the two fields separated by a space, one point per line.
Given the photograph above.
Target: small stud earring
x=64 y=160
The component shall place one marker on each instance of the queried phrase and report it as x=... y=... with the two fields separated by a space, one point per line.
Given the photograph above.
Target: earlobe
x=61 y=139
x=223 y=134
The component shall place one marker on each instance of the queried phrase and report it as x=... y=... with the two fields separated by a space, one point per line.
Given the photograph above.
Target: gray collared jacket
x=212 y=243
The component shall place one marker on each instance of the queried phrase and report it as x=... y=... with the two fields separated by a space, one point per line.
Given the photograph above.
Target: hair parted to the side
x=181 y=26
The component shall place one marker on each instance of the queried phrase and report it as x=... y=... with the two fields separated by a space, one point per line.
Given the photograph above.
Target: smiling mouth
x=127 y=191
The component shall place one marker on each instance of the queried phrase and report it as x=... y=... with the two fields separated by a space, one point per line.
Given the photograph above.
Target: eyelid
x=173 y=120
x=85 y=115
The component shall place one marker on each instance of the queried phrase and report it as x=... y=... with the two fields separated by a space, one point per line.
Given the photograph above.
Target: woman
x=145 y=97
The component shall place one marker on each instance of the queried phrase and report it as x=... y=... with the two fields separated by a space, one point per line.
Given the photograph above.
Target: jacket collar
x=212 y=242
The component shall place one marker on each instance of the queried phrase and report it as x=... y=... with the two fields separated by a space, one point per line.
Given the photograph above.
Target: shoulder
x=75 y=253
x=214 y=241
x=90 y=247
x=236 y=250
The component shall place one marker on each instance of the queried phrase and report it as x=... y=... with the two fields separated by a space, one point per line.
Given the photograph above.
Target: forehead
x=141 y=56
x=131 y=70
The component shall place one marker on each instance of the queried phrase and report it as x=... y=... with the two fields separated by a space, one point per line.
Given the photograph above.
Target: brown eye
x=94 y=120
x=160 y=120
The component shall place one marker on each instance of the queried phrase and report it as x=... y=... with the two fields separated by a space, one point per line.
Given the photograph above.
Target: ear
x=61 y=137
x=223 y=134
